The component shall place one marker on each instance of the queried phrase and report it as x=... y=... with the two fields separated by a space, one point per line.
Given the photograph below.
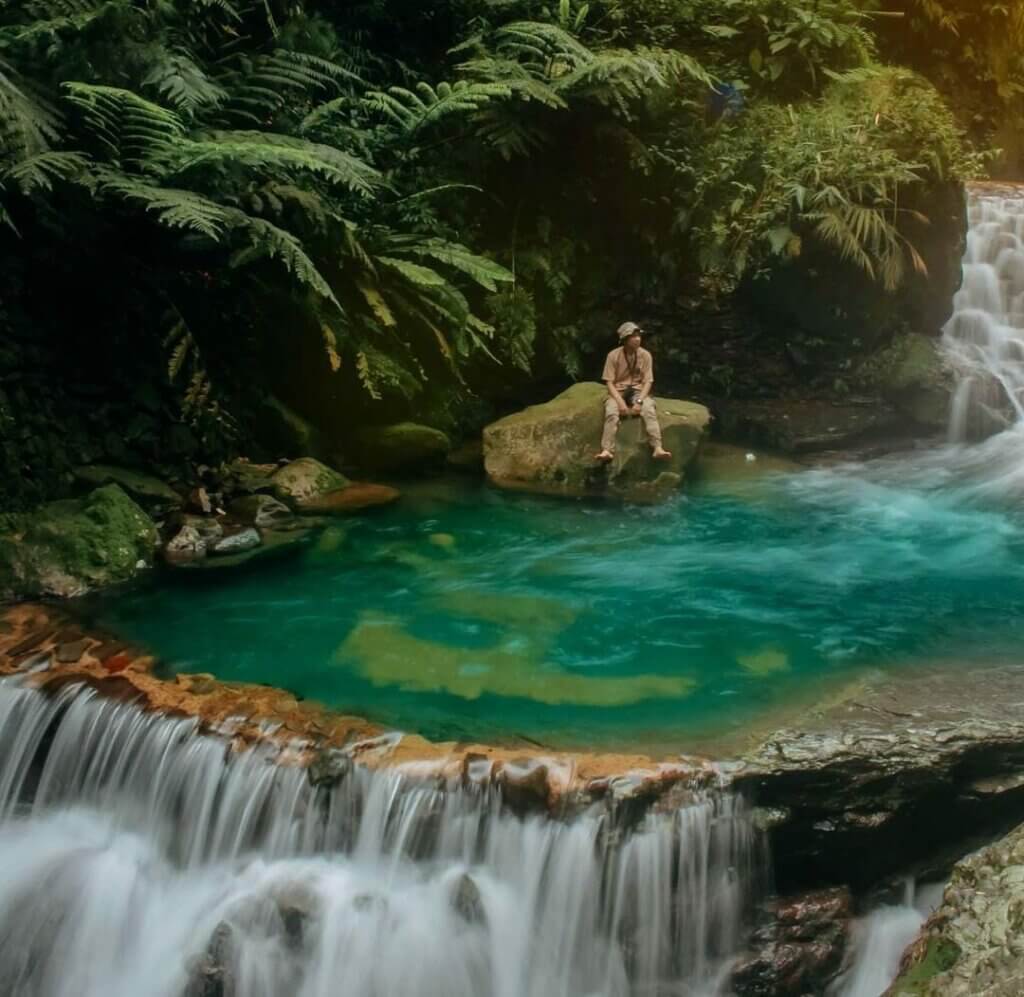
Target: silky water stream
x=141 y=857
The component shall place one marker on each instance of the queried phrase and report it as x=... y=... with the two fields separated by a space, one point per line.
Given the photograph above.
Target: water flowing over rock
x=139 y=856
x=985 y=337
x=550 y=448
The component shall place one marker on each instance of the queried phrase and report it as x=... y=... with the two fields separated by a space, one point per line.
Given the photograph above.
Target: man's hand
x=636 y=409
x=623 y=410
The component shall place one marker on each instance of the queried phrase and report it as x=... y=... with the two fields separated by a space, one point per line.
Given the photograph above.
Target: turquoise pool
x=463 y=612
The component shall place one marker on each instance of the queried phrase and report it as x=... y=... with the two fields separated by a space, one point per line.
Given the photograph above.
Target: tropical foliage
x=385 y=204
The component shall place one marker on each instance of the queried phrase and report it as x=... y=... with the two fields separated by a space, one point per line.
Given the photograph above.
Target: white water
x=880 y=939
x=985 y=337
x=134 y=852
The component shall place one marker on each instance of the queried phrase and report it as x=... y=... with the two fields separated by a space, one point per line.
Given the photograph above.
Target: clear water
x=463 y=612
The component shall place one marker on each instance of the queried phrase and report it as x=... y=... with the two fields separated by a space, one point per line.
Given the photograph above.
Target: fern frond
x=39 y=172
x=268 y=241
x=415 y=273
x=175 y=209
x=134 y=131
x=183 y=84
x=269 y=151
x=483 y=271
x=27 y=124
x=412 y=110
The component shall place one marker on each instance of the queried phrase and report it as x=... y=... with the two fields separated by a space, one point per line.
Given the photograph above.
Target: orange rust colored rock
x=252 y=714
x=352 y=498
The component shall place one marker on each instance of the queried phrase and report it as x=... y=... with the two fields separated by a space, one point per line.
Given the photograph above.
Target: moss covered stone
x=550 y=448
x=305 y=480
x=402 y=446
x=71 y=547
x=149 y=492
x=911 y=374
x=973 y=945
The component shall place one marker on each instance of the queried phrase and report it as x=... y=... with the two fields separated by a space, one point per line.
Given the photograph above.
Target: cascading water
x=985 y=337
x=138 y=856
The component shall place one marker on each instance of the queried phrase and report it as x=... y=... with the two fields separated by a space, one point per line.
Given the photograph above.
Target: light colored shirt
x=629 y=371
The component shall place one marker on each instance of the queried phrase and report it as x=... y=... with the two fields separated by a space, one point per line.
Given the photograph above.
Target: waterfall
x=881 y=937
x=984 y=339
x=140 y=856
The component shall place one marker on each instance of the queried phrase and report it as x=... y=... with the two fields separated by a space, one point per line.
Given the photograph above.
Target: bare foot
x=661 y=454
x=604 y=456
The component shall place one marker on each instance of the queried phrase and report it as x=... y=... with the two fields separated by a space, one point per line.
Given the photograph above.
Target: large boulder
x=400 y=447
x=973 y=945
x=304 y=480
x=71 y=547
x=151 y=493
x=550 y=448
x=912 y=375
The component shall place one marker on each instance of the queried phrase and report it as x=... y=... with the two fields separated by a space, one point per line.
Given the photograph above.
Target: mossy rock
x=72 y=547
x=305 y=480
x=402 y=446
x=911 y=374
x=550 y=448
x=149 y=492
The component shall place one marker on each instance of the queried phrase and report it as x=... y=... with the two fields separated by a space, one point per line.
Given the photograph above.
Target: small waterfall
x=880 y=939
x=984 y=339
x=138 y=856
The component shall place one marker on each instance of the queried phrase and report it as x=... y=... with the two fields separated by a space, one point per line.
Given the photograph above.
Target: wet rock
x=304 y=480
x=237 y=543
x=329 y=768
x=72 y=547
x=897 y=768
x=209 y=528
x=352 y=498
x=807 y=425
x=72 y=651
x=242 y=477
x=800 y=948
x=973 y=945
x=467 y=902
x=263 y=511
x=911 y=374
x=186 y=545
x=402 y=446
x=210 y=975
x=274 y=544
x=524 y=784
x=550 y=448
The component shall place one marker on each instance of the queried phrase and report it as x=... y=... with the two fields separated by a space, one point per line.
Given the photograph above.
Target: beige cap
x=628 y=329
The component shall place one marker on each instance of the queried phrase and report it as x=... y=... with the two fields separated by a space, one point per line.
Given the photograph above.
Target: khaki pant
x=611 y=423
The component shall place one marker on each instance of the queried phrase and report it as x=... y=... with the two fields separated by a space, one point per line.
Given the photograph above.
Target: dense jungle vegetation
x=379 y=208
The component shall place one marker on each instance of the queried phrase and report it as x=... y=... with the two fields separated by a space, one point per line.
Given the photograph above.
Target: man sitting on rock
x=629 y=374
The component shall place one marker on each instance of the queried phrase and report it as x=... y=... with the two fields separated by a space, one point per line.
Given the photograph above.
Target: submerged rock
x=402 y=446
x=306 y=479
x=72 y=547
x=973 y=945
x=352 y=498
x=467 y=902
x=550 y=448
